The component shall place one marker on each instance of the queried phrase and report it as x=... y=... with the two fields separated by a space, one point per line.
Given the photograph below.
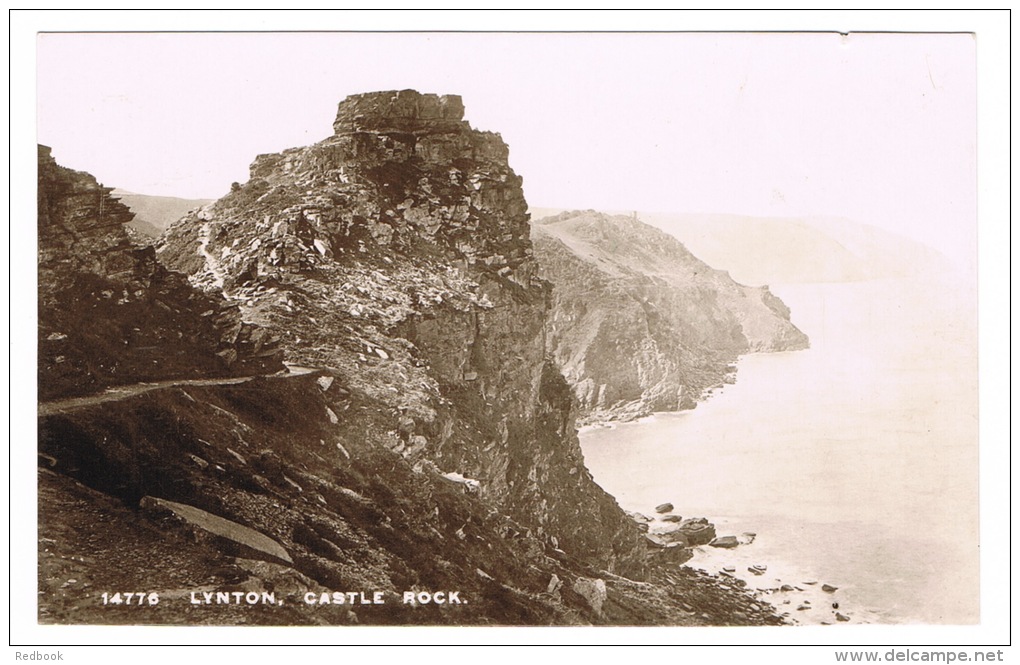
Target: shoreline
x=729 y=560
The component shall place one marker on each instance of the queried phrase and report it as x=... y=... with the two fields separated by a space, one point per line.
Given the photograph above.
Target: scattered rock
x=828 y=588
x=727 y=542
x=672 y=518
x=841 y=617
x=664 y=508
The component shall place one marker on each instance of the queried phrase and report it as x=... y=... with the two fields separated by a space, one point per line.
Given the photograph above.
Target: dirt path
x=123 y=392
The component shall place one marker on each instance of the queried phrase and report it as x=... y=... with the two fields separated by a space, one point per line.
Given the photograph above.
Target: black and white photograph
x=344 y=329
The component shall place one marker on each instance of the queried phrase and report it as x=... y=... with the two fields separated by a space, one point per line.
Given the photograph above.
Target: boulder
x=252 y=543
x=828 y=588
x=673 y=536
x=592 y=590
x=664 y=508
x=698 y=531
x=672 y=518
x=727 y=542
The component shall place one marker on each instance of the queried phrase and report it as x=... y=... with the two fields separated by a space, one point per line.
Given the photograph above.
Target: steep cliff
x=639 y=324
x=397 y=254
x=421 y=442
x=110 y=314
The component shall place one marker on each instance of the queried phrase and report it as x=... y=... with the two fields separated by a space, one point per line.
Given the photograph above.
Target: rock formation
x=638 y=323
x=397 y=254
x=110 y=314
x=427 y=444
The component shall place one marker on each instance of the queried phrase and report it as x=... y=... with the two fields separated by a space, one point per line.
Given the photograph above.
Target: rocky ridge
x=110 y=314
x=397 y=254
x=427 y=444
x=639 y=324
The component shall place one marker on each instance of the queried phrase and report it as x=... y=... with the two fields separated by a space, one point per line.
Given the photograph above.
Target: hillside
x=792 y=250
x=639 y=324
x=420 y=443
x=155 y=214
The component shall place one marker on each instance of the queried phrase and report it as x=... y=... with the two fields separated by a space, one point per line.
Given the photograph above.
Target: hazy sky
x=878 y=128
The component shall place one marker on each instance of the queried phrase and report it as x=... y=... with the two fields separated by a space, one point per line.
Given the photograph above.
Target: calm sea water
x=855 y=462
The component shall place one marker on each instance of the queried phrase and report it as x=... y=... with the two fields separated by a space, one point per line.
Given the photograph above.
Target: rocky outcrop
x=638 y=323
x=397 y=254
x=428 y=444
x=110 y=314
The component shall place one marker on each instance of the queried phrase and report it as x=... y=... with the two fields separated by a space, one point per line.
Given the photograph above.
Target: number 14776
x=131 y=598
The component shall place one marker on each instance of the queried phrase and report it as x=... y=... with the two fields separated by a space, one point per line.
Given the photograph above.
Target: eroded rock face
x=397 y=253
x=110 y=314
x=641 y=325
x=432 y=447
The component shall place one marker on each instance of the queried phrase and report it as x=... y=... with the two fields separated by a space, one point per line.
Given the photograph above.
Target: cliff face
x=638 y=323
x=421 y=441
x=110 y=314
x=397 y=254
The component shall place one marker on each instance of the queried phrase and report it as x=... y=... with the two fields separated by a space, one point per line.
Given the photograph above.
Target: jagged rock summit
x=397 y=254
x=402 y=111
x=639 y=324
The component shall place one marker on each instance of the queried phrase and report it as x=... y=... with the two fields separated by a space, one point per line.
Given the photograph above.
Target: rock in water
x=828 y=588
x=698 y=531
x=664 y=508
x=727 y=542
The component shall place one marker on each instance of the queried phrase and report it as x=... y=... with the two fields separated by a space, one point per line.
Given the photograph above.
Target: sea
x=854 y=463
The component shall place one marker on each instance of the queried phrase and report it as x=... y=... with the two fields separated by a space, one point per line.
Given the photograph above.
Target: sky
x=877 y=128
